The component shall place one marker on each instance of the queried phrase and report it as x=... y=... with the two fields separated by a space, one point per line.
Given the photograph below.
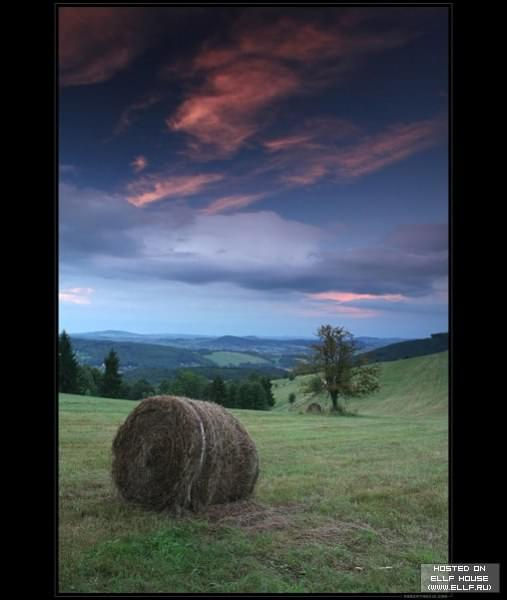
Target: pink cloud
x=152 y=189
x=260 y=66
x=348 y=311
x=212 y=58
x=228 y=203
x=222 y=112
x=306 y=158
x=309 y=175
x=139 y=164
x=314 y=133
x=352 y=297
x=291 y=40
x=352 y=311
x=318 y=135
x=76 y=295
x=391 y=146
x=290 y=141
x=97 y=42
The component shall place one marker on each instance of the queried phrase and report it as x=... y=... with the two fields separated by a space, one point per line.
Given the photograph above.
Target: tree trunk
x=336 y=407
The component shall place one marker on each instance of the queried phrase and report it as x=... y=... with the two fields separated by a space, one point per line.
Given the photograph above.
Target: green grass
x=233 y=359
x=413 y=387
x=360 y=494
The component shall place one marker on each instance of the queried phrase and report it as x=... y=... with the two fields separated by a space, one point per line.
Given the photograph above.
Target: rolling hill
x=158 y=356
x=413 y=387
x=134 y=355
x=438 y=342
x=226 y=343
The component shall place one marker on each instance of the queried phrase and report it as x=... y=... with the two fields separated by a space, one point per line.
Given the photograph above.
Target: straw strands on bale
x=175 y=453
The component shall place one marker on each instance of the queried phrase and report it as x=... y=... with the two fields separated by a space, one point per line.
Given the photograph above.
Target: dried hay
x=293 y=520
x=249 y=515
x=314 y=408
x=175 y=453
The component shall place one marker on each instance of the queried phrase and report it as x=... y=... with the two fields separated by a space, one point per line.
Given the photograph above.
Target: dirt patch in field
x=251 y=516
x=291 y=519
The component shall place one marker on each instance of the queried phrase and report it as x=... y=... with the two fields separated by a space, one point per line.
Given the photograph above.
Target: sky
x=253 y=171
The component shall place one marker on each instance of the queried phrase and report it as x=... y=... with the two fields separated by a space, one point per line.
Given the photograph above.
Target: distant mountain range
x=158 y=356
x=231 y=343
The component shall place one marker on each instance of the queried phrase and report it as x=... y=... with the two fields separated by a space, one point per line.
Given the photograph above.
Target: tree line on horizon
x=254 y=392
x=336 y=371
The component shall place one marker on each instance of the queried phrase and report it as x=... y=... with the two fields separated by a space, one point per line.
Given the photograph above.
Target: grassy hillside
x=411 y=387
x=341 y=505
x=234 y=359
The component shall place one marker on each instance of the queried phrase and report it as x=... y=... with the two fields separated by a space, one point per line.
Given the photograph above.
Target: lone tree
x=111 y=382
x=68 y=366
x=340 y=372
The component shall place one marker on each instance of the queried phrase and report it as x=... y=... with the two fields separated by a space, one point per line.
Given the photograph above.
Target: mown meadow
x=343 y=504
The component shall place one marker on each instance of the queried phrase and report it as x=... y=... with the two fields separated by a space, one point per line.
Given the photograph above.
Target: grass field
x=343 y=504
x=233 y=359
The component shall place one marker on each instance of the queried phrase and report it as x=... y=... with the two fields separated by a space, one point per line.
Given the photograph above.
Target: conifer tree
x=68 y=366
x=111 y=382
x=217 y=392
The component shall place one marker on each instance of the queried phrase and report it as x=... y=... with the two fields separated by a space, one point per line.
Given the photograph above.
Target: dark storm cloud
x=371 y=271
x=258 y=251
x=419 y=237
x=93 y=223
x=96 y=43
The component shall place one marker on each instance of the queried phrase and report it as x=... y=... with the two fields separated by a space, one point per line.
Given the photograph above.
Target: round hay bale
x=314 y=408
x=175 y=453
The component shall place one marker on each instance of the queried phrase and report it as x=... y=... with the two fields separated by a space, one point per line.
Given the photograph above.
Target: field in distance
x=343 y=504
x=234 y=359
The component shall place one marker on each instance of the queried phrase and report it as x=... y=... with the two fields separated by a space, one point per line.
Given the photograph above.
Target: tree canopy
x=339 y=371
